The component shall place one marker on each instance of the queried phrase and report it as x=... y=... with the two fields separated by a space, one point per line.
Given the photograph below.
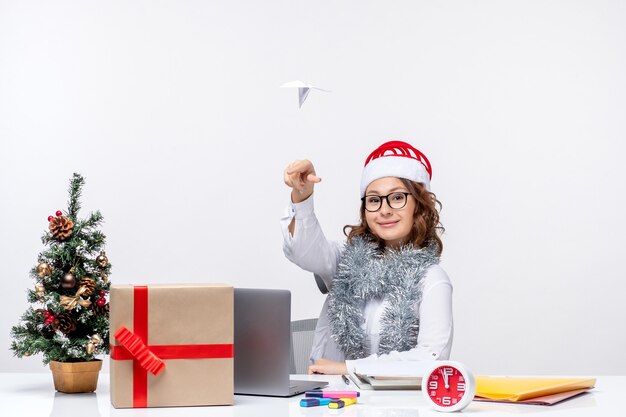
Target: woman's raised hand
x=300 y=176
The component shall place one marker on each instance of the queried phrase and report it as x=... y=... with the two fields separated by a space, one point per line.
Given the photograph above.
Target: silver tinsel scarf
x=367 y=273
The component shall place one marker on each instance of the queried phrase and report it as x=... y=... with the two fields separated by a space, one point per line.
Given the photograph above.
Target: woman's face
x=393 y=226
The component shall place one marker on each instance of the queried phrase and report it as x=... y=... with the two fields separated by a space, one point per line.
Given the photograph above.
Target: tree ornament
x=90 y=285
x=59 y=213
x=44 y=270
x=102 y=293
x=102 y=260
x=50 y=218
x=49 y=318
x=40 y=290
x=90 y=348
x=69 y=303
x=68 y=281
x=64 y=323
x=101 y=302
x=61 y=227
x=96 y=339
x=100 y=310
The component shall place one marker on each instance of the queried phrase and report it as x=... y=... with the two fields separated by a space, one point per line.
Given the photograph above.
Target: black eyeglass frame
x=385 y=197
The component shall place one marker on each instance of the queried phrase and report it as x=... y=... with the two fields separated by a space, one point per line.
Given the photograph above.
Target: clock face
x=447 y=387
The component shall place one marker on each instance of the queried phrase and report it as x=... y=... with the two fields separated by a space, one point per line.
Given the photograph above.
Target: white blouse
x=309 y=249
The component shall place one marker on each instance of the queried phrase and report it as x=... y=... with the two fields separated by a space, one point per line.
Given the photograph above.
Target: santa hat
x=396 y=159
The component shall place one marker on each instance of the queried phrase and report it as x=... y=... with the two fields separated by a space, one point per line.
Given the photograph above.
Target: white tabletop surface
x=32 y=394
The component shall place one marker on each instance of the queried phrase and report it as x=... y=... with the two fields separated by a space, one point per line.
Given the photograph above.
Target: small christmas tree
x=71 y=321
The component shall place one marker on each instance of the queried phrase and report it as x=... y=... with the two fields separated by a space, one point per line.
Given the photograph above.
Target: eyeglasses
x=396 y=200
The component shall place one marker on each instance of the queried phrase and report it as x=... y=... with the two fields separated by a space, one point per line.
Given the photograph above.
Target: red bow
x=148 y=360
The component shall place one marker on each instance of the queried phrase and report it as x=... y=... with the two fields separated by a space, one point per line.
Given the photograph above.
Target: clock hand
x=445 y=377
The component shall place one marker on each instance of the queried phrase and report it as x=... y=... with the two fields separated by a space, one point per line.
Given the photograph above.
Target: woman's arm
x=308 y=247
x=304 y=242
x=328 y=367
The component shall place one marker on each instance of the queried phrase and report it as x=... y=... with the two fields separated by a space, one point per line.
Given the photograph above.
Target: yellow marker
x=342 y=402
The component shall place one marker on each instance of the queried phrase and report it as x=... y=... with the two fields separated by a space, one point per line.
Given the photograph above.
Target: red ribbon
x=139 y=351
x=150 y=358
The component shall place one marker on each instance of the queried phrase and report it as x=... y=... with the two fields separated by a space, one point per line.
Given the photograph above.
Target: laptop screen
x=262 y=341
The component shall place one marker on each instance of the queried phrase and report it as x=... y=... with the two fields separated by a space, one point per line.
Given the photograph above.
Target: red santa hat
x=396 y=159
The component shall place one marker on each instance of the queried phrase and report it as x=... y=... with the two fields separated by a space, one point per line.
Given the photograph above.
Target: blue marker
x=314 y=402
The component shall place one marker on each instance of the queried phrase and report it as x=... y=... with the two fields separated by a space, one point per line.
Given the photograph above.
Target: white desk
x=23 y=394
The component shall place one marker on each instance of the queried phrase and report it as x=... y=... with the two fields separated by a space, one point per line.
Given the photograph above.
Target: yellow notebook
x=522 y=388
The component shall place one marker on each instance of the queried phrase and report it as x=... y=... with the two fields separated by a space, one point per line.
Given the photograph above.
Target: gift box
x=171 y=345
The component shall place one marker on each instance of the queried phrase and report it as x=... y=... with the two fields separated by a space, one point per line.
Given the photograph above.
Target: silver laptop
x=262 y=344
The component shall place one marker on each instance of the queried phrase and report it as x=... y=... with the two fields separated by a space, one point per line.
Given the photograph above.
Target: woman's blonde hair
x=426 y=227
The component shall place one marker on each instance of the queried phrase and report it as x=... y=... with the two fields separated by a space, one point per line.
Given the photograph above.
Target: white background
x=172 y=112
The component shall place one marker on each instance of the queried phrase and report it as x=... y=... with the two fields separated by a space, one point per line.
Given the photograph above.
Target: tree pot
x=72 y=377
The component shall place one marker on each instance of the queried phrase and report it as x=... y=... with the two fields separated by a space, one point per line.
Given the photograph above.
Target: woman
x=389 y=300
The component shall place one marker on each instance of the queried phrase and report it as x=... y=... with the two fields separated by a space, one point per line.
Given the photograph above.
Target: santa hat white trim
x=404 y=165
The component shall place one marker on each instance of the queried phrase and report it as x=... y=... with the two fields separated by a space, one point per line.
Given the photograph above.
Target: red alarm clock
x=448 y=386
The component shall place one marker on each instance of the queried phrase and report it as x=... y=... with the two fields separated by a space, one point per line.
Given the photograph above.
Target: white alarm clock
x=448 y=386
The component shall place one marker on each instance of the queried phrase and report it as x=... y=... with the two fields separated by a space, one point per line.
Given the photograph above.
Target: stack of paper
x=544 y=391
x=401 y=375
x=386 y=382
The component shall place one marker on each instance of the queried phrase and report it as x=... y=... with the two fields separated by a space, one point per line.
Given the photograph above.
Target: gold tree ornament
x=102 y=260
x=40 y=290
x=69 y=303
x=90 y=348
x=90 y=285
x=44 y=270
x=68 y=280
x=61 y=227
x=96 y=339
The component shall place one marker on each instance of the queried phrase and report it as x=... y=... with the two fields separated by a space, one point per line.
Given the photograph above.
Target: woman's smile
x=388 y=224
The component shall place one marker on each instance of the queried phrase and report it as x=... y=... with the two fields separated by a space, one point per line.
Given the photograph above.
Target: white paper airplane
x=303 y=89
